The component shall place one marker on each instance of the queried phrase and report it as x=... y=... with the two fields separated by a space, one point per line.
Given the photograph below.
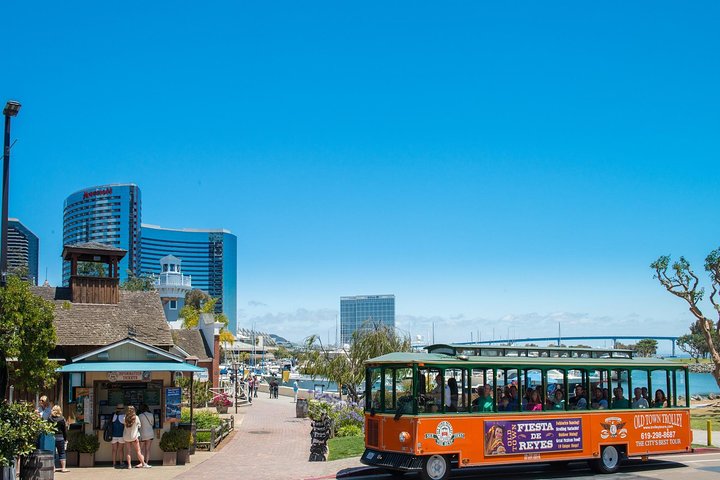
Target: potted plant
x=72 y=453
x=20 y=427
x=222 y=402
x=183 y=444
x=169 y=446
x=87 y=445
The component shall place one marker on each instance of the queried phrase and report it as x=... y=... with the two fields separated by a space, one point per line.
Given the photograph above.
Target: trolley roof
x=462 y=361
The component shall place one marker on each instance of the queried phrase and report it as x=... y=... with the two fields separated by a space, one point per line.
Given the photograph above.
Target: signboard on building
x=173 y=398
x=128 y=376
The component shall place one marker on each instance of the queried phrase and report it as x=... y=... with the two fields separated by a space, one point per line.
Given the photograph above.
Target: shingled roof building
x=116 y=347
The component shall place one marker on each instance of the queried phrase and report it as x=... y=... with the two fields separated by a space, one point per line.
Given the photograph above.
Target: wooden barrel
x=39 y=465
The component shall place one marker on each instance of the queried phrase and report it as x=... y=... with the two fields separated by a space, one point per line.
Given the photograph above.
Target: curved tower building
x=108 y=214
x=208 y=256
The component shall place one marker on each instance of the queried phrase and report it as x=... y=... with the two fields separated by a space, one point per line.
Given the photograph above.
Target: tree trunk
x=706 y=327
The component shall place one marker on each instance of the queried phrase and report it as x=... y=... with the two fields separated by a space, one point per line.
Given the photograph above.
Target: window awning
x=129 y=367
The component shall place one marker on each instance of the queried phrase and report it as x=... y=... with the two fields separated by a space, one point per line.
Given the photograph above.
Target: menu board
x=134 y=394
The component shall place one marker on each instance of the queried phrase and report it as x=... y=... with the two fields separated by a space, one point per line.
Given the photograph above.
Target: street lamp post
x=11 y=109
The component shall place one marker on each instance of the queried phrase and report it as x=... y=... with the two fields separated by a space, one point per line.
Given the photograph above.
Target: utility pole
x=11 y=109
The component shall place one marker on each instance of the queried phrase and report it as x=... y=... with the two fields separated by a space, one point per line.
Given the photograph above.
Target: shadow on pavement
x=539 y=471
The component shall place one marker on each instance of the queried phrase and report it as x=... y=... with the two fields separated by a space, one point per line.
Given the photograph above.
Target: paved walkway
x=269 y=444
x=700 y=437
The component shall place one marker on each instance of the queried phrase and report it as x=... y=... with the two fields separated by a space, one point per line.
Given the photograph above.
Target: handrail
x=217 y=434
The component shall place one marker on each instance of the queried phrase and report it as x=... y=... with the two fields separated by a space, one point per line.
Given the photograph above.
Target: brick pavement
x=269 y=444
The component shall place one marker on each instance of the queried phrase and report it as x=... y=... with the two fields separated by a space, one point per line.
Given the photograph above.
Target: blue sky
x=492 y=165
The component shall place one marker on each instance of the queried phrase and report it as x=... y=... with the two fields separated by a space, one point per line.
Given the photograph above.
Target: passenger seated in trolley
x=579 y=402
x=619 y=401
x=660 y=399
x=599 y=403
x=436 y=394
x=639 y=401
x=558 y=401
x=534 y=404
x=484 y=402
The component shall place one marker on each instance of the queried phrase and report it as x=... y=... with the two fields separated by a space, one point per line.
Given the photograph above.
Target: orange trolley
x=471 y=405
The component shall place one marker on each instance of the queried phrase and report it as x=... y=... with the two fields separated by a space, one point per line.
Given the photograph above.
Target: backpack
x=107 y=433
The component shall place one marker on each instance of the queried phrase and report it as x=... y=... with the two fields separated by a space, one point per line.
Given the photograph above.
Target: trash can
x=192 y=428
x=301 y=408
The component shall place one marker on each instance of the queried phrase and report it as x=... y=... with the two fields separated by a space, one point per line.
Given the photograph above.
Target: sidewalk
x=157 y=472
x=700 y=437
x=269 y=444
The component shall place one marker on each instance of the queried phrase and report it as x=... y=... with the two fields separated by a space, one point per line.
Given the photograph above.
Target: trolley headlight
x=404 y=437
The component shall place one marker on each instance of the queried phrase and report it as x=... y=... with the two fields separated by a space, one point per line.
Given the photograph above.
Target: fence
x=217 y=434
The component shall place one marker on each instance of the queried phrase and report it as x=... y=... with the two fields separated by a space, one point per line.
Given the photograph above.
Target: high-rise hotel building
x=107 y=214
x=362 y=309
x=23 y=250
x=209 y=258
x=111 y=214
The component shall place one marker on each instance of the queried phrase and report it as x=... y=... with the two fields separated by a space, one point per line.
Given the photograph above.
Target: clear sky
x=504 y=165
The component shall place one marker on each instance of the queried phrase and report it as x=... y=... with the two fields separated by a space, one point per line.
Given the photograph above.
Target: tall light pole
x=11 y=109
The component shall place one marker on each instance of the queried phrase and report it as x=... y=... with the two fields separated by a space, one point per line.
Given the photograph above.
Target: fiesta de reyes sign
x=523 y=437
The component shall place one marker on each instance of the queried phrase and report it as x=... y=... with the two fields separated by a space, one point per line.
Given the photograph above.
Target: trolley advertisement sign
x=518 y=437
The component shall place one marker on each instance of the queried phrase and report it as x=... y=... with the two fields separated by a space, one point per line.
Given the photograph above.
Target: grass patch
x=701 y=423
x=345 y=447
x=700 y=416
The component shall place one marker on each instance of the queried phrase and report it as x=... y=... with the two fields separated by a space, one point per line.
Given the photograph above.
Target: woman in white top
x=147 y=434
x=131 y=436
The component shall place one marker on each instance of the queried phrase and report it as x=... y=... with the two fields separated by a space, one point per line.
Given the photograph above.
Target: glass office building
x=23 y=250
x=356 y=311
x=107 y=214
x=209 y=257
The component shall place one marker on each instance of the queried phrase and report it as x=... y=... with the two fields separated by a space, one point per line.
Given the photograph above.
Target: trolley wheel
x=609 y=461
x=435 y=467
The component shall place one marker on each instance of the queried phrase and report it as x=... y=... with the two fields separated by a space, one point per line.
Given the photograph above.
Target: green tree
x=138 y=283
x=646 y=347
x=91 y=269
x=694 y=343
x=685 y=284
x=27 y=334
x=196 y=298
x=191 y=314
x=282 y=352
x=346 y=366
x=20 y=427
x=625 y=346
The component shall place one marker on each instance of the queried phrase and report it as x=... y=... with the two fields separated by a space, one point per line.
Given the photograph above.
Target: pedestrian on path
x=296 y=387
x=147 y=434
x=118 y=427
x=256 y=384
x=131 y=436
x=56 y=418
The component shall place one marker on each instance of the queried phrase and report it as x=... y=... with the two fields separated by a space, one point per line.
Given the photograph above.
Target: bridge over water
x=560 y=339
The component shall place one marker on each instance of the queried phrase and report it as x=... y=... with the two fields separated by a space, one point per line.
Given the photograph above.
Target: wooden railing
x=217 y=434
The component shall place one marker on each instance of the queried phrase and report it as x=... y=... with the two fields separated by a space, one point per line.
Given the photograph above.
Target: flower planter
x=72 y=459
x=169 y=459
x=87 y=460
x=183 y=456
x=221 y=408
